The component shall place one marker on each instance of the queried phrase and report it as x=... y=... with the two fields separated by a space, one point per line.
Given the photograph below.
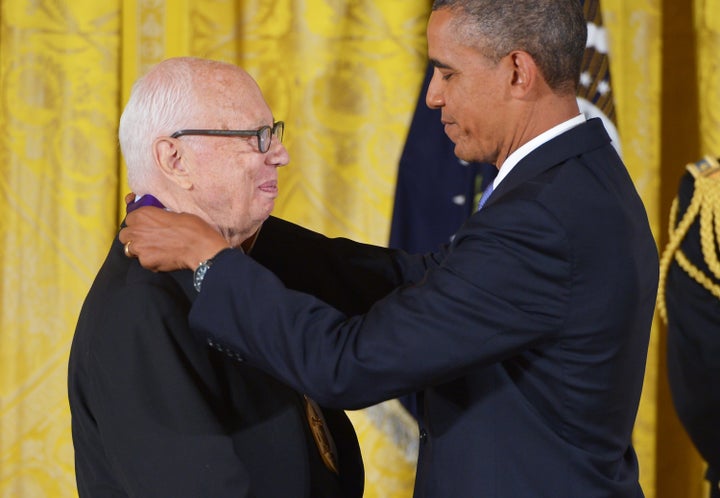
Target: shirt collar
x=533 y=144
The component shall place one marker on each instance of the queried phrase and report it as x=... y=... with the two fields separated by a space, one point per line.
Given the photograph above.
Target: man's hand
x=165 y=241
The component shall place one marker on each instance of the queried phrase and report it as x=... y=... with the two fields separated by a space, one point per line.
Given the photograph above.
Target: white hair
x=161 y=102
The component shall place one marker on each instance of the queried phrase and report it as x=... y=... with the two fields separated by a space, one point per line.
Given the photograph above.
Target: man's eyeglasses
x=264 y=134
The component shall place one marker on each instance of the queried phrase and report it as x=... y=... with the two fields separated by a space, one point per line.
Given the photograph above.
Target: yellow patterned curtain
x=707 y=29
x=667 y=87
x=344 y=75
x=59 y=91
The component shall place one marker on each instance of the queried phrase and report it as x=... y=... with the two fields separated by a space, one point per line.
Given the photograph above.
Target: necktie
x=486 y=194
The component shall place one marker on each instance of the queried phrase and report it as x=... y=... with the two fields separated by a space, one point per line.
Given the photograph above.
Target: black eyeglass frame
x=264 y=134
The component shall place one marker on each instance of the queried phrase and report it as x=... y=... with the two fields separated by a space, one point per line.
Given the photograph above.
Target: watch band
x=199 y=273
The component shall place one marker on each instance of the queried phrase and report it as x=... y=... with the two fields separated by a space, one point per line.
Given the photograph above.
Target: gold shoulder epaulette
x=707 y=166
x=705 y=207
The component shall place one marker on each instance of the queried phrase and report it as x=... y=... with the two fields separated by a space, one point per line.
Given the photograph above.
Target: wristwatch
x=199 y=273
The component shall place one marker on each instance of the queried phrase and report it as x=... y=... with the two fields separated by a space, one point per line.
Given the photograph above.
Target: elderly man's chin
x=266 y=209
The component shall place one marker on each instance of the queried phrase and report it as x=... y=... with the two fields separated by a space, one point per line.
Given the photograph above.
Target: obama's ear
x=525 y=73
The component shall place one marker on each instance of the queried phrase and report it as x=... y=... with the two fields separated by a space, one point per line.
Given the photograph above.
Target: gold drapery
x=344 y=75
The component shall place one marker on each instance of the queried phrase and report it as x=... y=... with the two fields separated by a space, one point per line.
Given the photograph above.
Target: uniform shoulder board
x=707 y=166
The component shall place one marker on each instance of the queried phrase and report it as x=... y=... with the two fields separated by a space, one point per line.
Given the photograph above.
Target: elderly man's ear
x=168 y=157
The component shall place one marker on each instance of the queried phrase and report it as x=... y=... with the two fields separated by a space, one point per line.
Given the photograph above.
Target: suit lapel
x=574 y=142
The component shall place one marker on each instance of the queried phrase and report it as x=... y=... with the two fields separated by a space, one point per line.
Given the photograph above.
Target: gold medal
x=321 y=434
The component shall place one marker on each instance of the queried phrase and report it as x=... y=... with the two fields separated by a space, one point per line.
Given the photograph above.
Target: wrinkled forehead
x=231 y=99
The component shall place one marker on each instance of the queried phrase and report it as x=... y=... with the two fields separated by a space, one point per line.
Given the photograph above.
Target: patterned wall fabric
x=59 y=90
x=707 y=26
x=344 y=75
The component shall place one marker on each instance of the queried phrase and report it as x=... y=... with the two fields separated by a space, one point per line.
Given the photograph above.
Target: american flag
x=595 y=94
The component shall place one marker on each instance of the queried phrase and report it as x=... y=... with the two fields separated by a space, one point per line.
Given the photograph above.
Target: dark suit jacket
x=156 y=413
x=694 y=345
x=528 y=332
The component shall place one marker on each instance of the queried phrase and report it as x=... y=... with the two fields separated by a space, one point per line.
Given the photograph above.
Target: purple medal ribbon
x=145 y=200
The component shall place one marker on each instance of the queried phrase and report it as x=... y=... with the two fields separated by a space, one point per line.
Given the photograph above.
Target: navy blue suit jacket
x=528 y=333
